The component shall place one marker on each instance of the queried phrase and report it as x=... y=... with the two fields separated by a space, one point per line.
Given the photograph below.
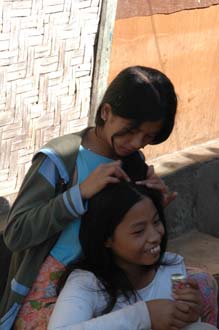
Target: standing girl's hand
x=154 y=181
x=100 y=177
x=191 y=295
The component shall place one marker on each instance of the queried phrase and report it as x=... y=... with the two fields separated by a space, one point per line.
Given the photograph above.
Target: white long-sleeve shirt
x=82 y=301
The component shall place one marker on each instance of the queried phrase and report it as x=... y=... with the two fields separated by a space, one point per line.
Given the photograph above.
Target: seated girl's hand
x=191 y=295
x=154 y=181
x=166 y=314
x=100 y=177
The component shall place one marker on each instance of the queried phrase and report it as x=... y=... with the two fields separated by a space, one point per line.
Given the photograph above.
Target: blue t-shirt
x=67 y=247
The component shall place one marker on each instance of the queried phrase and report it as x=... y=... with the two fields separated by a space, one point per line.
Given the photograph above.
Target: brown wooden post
x=102 y=62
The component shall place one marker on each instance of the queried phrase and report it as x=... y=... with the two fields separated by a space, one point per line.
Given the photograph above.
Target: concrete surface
x=193 y=218
x=199 y=250
x=197 y=203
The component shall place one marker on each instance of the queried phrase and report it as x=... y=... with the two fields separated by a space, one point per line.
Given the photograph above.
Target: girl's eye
x=128 y=130
x=138 y=232
x=131 y=131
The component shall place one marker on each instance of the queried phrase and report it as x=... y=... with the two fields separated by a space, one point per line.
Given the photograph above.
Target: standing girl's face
x=136 y=240
x=124 y=139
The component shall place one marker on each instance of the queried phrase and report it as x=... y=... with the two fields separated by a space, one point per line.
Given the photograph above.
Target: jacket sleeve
x=77 y=305
x=38 y=213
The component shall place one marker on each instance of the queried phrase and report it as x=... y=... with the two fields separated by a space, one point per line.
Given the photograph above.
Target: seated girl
x=123 y=280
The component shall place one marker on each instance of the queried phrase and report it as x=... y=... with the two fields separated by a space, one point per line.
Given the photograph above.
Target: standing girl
x=137 y=109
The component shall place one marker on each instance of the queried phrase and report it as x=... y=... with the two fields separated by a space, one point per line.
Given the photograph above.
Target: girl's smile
x=154 y=250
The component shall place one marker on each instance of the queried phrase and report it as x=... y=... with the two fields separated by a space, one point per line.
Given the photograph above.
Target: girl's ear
x=108 y=243
x=105 y=111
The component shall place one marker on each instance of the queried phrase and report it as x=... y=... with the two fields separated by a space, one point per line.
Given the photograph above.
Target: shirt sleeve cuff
x=73 y=201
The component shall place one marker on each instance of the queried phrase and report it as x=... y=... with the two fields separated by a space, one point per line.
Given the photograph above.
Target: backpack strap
x=63 y=152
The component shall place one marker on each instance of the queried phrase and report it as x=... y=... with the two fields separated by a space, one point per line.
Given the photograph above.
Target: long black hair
x=142 y=94
x=105 y=211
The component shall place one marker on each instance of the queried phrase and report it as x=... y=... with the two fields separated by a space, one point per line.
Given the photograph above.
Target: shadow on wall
x=197 y=203
x=5 y=253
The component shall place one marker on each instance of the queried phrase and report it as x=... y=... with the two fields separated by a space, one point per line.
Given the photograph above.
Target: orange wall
x=185 y=45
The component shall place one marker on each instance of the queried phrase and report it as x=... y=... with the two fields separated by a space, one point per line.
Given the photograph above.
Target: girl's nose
x=137 y=142
x=154 y=235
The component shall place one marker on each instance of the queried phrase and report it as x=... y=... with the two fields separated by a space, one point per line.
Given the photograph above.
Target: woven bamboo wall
x=46 y=62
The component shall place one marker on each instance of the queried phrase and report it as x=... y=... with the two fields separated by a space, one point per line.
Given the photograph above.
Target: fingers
x=158 y=184
x=101 y=176
x=116 y=170
x=111 y=170
x=154 y=182
x=150 y=171
x=171 y=315
x=189 y=312
x=168 y=198
x=192 y=283
x=190 y=296
x=190 y=292
x=183 y=315
x=183 y=308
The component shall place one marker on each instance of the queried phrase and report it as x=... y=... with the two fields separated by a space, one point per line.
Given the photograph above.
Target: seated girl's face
x=136 y=240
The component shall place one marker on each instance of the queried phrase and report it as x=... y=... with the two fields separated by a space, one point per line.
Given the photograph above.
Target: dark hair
x=142 y=94
x=105 y=211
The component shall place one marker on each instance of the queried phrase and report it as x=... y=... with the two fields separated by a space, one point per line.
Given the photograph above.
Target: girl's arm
x=37 y=214
x=127 y=318
x=81 y=299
